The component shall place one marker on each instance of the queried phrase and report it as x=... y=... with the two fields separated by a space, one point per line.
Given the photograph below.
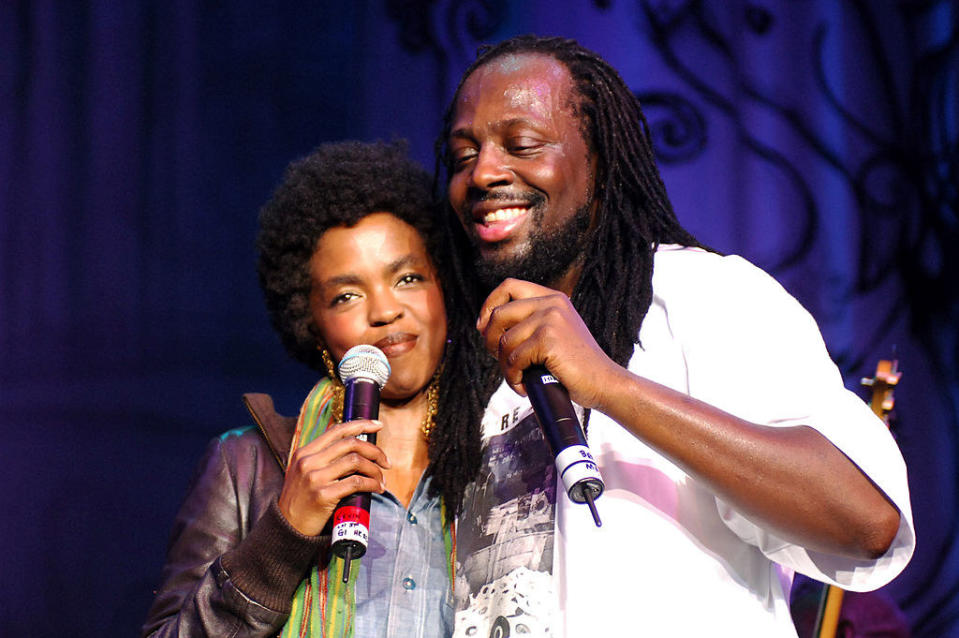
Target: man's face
x=522 y=175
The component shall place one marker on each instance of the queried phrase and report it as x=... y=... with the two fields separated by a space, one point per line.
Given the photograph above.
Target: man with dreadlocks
x=721 y=477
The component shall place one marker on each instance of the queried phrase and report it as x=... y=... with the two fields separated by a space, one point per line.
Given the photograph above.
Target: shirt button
x=411 y=517
x=409 y=583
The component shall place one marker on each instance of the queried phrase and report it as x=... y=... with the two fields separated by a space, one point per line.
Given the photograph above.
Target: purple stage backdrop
x=817 y=138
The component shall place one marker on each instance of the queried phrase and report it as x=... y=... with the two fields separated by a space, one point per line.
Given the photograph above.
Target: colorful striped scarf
x=323 y=605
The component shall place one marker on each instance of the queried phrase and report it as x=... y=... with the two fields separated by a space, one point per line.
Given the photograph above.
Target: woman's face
x=374 y=283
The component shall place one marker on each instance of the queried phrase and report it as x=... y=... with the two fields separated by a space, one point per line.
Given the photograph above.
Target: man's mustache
x=529 y=198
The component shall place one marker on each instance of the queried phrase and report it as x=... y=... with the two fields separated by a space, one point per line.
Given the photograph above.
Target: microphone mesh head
x=364 y=362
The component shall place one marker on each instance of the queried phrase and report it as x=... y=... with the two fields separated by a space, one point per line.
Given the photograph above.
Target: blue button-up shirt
x=403 y=588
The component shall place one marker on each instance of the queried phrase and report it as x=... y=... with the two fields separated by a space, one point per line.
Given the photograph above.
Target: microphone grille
x=364 y=362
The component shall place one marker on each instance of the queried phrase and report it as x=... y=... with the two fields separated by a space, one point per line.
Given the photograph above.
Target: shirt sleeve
x=226 y=574
x=753 y=351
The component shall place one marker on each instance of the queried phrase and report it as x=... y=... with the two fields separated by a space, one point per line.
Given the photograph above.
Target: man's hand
x=525 y=324
x=328 y=469
x=755 y=468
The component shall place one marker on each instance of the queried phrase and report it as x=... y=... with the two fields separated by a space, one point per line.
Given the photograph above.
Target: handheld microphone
x=364 y=371
x=574 y=462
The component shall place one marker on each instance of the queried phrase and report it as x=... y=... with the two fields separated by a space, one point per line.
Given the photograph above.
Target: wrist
x=617 y=393
x=270 y=562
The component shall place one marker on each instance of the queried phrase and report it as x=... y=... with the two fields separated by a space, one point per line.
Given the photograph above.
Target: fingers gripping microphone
x=574 y=462
x=364 y=370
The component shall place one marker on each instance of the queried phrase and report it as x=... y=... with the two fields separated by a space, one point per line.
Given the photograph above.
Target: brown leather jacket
x=233 y=562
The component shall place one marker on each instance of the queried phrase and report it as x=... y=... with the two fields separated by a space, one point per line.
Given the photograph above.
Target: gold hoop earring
x=339 y=391
x=432 y=403
x=328 y=362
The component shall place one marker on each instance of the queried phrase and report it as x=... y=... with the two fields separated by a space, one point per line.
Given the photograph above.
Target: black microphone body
x=364 y=370
x=575 y=465
x=351 y=519
x=361 y=401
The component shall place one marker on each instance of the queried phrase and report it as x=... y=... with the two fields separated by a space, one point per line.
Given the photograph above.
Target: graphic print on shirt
x=505 y=539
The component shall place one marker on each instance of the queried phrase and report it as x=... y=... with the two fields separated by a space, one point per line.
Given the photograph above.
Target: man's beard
x=548 y=256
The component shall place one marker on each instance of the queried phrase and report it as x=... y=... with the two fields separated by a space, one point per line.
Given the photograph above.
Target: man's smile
x=493 y=225
x=504 y=214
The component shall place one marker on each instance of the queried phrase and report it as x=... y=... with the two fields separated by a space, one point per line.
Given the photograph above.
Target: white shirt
x=671 y=559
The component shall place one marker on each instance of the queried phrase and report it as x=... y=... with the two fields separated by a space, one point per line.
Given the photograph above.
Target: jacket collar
x=277 y=429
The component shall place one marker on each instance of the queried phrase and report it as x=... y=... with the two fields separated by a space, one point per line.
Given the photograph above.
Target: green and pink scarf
x=323 y=605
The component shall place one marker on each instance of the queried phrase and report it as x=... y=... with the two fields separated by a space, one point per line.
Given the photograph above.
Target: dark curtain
x=817 y=138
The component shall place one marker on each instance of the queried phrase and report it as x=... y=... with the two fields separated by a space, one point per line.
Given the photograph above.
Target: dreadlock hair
x=634 y=213
x=336 y=185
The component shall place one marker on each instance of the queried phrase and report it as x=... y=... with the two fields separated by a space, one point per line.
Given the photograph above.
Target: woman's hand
x=327 y=470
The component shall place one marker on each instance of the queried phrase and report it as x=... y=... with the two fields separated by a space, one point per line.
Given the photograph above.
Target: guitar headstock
x=883 y=383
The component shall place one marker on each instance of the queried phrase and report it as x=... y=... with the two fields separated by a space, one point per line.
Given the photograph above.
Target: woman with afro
x=348 y=255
